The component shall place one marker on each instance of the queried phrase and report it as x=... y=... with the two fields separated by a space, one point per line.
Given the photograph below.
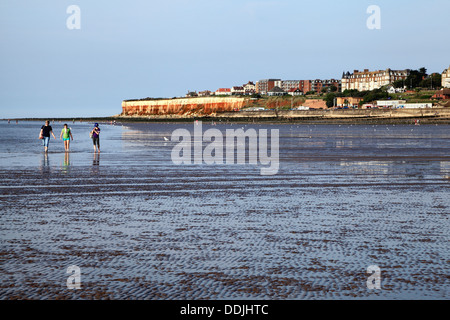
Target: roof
x=276 y=89
x=265 y=80
x=223 y=90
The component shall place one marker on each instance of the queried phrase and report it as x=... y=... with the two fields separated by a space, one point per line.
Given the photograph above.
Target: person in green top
x=66 y=135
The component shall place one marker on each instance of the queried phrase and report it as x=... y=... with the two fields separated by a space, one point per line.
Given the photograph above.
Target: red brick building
x=264 y=86
x=443 y=94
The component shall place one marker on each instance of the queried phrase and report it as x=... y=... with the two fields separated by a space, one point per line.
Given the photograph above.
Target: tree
x=432 y=81
x=373 y=95
x=353 y=93
x=416 y=77
x=329 y=99
x=399 y=83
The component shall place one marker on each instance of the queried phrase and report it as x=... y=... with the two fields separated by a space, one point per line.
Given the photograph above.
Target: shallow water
x=139 y=227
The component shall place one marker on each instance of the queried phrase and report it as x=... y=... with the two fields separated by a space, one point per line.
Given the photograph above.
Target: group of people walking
x=66 y=136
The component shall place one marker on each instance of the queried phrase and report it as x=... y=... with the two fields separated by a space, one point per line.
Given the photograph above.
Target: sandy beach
x=346 y=197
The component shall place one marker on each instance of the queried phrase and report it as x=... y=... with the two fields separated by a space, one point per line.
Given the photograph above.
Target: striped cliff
x=182 y=106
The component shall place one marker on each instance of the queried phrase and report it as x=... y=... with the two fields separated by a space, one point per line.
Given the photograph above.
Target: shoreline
x=282 y=117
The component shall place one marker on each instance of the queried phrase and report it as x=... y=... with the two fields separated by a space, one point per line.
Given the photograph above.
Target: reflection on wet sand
x=44 y=166
x=66 y=163
x=96 y=161
x=95 y=169
x=398 y=168
x=44 y=160
x=445 y=169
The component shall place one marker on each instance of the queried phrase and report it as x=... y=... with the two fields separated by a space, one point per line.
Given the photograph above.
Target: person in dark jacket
x=46 y=130
x=95 y=134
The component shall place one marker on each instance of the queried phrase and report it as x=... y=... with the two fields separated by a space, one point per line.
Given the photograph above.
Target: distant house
x=265 y=85
x=295 y=92
x=237 y=91
x=276 y=91
x=446 y=78
x=348 y=101
x=443 y=94
x=249 y=88
x=205 y=93
x=392 y=89
x=390 y=103
x=191 y=94
x=223 y=91
x=369 y=80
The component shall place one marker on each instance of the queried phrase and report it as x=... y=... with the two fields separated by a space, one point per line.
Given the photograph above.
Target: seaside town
x=358 y=89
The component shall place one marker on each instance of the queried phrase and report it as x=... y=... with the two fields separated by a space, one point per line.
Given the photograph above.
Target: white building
x=391 y=89
x=295 y=92
x=401 y=104
x=301 y=108
x=390 y=103
x=370 y=80
x=237 y=91
x=446 y=78
x=249 y=88
x=416 y=105
x=223 y=92
x=288 y=85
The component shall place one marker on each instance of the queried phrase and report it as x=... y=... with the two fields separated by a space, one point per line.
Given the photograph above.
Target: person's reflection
x=66 y=163
x=96 y=163
x=45 y=164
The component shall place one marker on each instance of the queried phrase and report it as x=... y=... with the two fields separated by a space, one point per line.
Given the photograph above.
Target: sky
x=136 y=49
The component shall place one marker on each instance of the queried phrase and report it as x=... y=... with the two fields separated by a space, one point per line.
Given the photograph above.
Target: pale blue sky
x=135 y=48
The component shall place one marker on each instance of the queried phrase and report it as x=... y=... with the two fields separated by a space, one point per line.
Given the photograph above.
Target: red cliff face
x=182 y=107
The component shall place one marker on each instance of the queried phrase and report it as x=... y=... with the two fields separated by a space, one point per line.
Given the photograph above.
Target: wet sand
x=140 y=227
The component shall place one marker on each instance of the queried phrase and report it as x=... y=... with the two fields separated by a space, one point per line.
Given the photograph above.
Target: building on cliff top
x=191 y=94
x=443 y=94
x=205 y=93
x=276 y=91
x=351 y=102
x=295 y=92
x=265 y=85
x=223 y=92
x=370 y=80
x=446 y=78
x=249 y=88
x=237 y=90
